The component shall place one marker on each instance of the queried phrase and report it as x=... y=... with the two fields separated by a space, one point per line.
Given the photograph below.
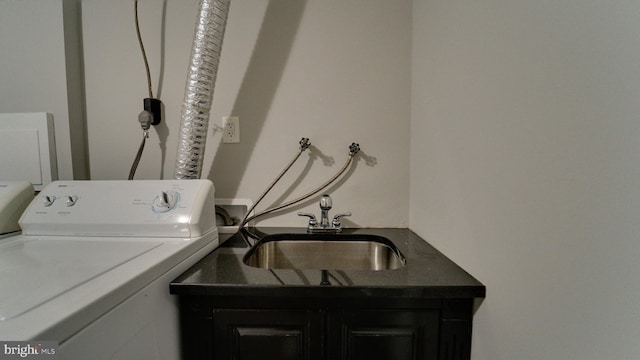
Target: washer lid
x=34 y=272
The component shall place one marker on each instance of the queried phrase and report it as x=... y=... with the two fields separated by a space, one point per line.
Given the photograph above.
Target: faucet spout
x=325 y=205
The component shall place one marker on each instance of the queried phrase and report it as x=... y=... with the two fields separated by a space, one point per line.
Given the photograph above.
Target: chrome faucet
x=324 y=226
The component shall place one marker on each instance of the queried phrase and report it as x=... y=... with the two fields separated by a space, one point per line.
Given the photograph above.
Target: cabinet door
x=383 y=335
x=268 y=334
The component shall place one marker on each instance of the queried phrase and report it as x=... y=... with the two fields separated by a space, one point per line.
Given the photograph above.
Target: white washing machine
x=92 y=267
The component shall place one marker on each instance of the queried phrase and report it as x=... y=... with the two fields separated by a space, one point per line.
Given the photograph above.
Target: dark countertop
x=428 y=274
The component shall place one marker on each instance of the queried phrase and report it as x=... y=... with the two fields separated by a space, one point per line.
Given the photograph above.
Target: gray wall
x=525 y=160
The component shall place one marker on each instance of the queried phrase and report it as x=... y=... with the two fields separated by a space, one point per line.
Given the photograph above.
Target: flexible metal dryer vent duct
x=201 y=80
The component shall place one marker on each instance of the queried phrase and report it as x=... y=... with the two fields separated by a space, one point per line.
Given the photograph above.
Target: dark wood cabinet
x=232 y=311
x=383 y=334
x=439 y=331
x=267 y=334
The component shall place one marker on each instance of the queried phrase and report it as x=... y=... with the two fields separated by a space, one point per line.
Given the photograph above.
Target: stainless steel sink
x=325 y=252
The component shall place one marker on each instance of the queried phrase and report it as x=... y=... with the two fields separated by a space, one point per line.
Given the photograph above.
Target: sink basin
x=325 y=252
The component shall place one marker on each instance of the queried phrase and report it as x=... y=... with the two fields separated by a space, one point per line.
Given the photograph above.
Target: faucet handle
x=336 y=219
x=312 y=218
x=325 y=202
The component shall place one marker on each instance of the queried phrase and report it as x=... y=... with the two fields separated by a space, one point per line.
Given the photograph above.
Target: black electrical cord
x=144 y=53
x=134 y=166
x=151 y=114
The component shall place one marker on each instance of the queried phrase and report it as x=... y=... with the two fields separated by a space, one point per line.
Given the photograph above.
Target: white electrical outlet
x=231 y=132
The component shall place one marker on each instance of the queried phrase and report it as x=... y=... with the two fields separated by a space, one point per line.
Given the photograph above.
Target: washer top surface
x=36 y=271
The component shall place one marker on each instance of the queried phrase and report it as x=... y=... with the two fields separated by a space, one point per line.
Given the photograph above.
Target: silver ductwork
x=201 y=80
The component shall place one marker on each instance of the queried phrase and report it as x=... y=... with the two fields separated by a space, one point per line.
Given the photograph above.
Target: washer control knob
x=49 y=200
x=166 y=201
x=71 y=200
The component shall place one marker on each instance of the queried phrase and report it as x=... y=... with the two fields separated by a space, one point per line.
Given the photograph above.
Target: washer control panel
x=122 y=208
